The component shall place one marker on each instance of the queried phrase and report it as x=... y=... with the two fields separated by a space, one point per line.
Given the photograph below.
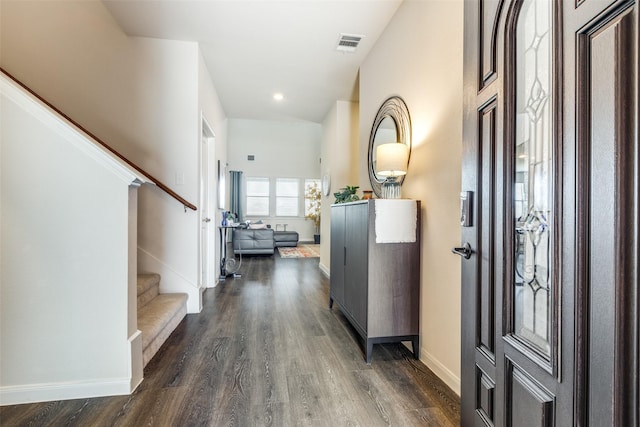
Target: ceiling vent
x=348 y=42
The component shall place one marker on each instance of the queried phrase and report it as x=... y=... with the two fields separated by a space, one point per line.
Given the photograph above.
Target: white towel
x=396 y=220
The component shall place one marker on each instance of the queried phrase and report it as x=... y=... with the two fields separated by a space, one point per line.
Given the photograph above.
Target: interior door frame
x=206 y=251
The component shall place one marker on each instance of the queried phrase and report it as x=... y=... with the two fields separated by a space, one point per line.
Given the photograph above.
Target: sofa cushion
x=258 y=242
x=285 y=238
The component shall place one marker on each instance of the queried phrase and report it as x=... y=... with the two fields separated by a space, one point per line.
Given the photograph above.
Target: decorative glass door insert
x=533 y=189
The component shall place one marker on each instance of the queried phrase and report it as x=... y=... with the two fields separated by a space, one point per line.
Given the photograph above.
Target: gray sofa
x=262 y=241
x=253 y=242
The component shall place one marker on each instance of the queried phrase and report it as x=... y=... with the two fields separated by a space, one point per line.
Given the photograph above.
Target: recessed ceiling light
x=278 y=96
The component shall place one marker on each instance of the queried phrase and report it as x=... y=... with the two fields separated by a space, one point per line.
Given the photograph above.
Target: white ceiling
x=254 y=48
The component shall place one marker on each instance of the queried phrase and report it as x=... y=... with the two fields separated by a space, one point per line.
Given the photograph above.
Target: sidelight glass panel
x=533 y=189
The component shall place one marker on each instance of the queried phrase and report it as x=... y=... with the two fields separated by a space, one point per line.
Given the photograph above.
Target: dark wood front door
x=550 y=161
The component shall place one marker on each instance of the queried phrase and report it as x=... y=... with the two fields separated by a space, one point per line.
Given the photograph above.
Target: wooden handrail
x=101 y=142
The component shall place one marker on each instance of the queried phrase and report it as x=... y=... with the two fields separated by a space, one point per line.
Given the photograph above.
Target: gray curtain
x=235 y=188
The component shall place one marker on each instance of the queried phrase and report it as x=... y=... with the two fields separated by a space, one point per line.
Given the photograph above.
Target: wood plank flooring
x=265 y=351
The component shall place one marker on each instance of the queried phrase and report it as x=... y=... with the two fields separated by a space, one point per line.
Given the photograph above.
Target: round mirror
x=392 y=124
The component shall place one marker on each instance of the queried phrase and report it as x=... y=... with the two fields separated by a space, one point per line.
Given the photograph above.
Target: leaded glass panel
x=533 y=189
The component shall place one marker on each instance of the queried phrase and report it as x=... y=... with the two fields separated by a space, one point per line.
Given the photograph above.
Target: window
x=287 y=196
x=257 y=196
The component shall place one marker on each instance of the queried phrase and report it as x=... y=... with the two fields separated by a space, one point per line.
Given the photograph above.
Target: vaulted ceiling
x=254 y=49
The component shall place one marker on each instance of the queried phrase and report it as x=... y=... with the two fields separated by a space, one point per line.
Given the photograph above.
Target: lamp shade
x=392 y=159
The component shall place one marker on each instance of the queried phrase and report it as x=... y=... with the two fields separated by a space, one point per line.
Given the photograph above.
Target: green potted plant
x=314 y=196
x=347 y=194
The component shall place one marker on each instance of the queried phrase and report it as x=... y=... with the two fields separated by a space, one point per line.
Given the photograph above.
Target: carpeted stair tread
x=155 y=315
x=146 y=281
x=157 y=319
x=148 y=288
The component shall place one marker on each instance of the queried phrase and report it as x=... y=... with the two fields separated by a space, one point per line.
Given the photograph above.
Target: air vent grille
x=348 y=42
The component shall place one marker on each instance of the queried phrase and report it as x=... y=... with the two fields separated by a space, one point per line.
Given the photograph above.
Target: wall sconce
x=391 y=162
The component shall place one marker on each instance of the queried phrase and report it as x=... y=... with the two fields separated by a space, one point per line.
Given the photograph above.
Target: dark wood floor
x=265 y=351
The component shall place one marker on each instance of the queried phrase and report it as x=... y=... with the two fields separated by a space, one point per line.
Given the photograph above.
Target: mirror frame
x=396 y=109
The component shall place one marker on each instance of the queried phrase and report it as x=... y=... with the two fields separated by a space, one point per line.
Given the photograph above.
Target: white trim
x=69 y=132
x=325 y=270
x=12 y=395
x=136 y=366
x=449 y=378
x=208 y=139
x=166 y=266
x=172 y=281
x=210 y=132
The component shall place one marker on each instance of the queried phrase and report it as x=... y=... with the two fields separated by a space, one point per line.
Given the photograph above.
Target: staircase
x=158 y=314
x=30 y=125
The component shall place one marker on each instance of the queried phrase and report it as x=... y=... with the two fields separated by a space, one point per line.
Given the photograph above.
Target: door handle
x=465 y=251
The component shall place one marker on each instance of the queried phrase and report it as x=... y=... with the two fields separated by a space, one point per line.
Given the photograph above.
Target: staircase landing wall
x=67 y=321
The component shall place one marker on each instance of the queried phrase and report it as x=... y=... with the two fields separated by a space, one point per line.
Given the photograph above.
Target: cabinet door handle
x=344 y=259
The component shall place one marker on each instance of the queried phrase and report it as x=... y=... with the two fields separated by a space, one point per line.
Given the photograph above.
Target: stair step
x=147 y=281
x=148 y=288
x=157 y=320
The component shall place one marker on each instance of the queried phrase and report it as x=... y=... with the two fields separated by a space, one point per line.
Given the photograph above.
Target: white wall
x=340 y=161
x=167 y=235
x=419 y=57
x=144 y=97
x=281 y=150
x=74 y=55
x=66 y=329
x=214 y=115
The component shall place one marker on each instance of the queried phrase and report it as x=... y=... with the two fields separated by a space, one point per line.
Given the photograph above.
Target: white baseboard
x=137 y=368
x=13 y=395
x=32 y=393
x=325 y=270
x=170 y=280
x=201 y=298
x=448 y=377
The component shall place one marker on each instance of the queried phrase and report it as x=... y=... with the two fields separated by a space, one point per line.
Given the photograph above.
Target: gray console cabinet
x=376 y=285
